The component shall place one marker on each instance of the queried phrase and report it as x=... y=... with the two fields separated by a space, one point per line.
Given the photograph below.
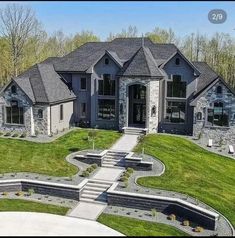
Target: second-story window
x=106 y=86
x=83 y=84
x=177 y=61
x=176 y=88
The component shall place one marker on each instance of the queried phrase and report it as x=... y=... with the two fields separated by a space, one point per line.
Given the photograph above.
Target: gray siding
x=99 y=69
x=187 y=74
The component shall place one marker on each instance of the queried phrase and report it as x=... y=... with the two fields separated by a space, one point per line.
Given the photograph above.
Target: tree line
x=24 y=42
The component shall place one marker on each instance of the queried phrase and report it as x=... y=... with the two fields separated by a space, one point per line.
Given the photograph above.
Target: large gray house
x=125 y=83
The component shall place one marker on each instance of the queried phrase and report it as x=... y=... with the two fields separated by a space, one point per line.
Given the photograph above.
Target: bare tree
x=17 y=22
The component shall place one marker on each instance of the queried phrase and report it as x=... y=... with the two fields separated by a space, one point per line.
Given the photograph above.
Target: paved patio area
x=42 y=224
x=125 y=143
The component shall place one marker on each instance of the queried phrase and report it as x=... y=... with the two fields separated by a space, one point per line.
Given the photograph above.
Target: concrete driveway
x=43 y=224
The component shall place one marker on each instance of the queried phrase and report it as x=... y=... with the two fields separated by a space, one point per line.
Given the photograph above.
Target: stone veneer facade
x=31 y=124
x=23 y=101
x=152 y=101
x=206 y=101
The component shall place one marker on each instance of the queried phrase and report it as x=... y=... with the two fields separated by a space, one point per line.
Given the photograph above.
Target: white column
x=49 y=120
x=32 y=122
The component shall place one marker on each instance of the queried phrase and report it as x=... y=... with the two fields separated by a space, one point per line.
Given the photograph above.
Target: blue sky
x=105 y=17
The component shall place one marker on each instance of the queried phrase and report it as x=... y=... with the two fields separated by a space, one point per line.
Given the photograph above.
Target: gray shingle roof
x=82 y=58
x=141 y=64
x=207 y=76
x=42 y=84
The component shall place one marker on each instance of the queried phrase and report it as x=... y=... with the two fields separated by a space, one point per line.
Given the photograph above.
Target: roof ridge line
x=43 y=82
x=144 y=50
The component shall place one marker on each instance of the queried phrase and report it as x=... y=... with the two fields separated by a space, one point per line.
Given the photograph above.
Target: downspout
x=49 y=120
x=32 y=122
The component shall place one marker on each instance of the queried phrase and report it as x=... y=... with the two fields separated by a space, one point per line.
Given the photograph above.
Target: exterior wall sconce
x=153 y=111
x=121 y=108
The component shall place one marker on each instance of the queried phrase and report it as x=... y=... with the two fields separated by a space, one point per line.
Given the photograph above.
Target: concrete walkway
x=126 y=143
x=108 y=174
x=42 y=224
x=87 y=210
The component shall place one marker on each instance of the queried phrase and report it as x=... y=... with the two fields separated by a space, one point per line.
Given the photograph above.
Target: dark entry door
x=139 y=113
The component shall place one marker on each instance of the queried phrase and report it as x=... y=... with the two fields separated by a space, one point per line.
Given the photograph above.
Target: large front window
x=106 y=86
x=14 y=114
x=218 y=116
x=106 y=109
x=176 y=88
x=175 y=112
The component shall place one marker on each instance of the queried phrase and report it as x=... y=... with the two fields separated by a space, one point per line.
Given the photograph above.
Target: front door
x=139 y=113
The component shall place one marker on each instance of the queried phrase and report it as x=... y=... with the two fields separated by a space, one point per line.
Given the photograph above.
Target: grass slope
x=28 y=206
x=49 y=158
x=193 y=171
x=135 y=227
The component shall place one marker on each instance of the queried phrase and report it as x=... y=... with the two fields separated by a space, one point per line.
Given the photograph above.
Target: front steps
x=114 y=158
x=95 y=191
x=134 y=131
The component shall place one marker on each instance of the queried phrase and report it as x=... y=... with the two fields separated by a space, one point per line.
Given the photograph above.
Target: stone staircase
x=95 y=191
x=134 y=131
x=114 y=158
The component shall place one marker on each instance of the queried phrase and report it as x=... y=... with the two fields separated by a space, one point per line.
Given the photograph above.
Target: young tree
x=17 y=22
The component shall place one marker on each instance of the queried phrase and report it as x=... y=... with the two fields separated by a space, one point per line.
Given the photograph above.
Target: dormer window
x=106 y=61
x=177 y=61
x=13 y=89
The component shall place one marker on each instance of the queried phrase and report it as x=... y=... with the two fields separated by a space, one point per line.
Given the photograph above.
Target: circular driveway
x=43 y=224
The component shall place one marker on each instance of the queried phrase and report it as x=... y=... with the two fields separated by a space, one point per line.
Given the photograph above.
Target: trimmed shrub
x=85 y=173
x=31 y=191
x=94 y=166
x=1 y=133
x=130 y=170
x=23 y=135
x=185 y=223
x=5 y=193
x=154 y=212
x=126 y=184
x=7 y=134
x=172 y=217
x=15 y=135
x=124 y=179
x=89 y=169
x=198 y=229
x=20 y=193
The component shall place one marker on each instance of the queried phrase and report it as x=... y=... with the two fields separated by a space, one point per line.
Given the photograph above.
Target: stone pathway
x=126 y=143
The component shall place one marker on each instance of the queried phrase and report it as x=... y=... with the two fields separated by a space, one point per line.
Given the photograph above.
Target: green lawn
x=28 y=206
x=193 y=171
x=135 y=227
x=49 y=158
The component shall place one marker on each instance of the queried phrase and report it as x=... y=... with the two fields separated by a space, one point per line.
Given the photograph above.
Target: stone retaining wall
x=42 y=187
x=180 y=208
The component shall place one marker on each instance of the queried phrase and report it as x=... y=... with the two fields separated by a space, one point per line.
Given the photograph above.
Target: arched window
x=219 y=89
x=13 y=89
x=177 y=61
x=106 y=61
x=199 y=116
x=40 y=113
